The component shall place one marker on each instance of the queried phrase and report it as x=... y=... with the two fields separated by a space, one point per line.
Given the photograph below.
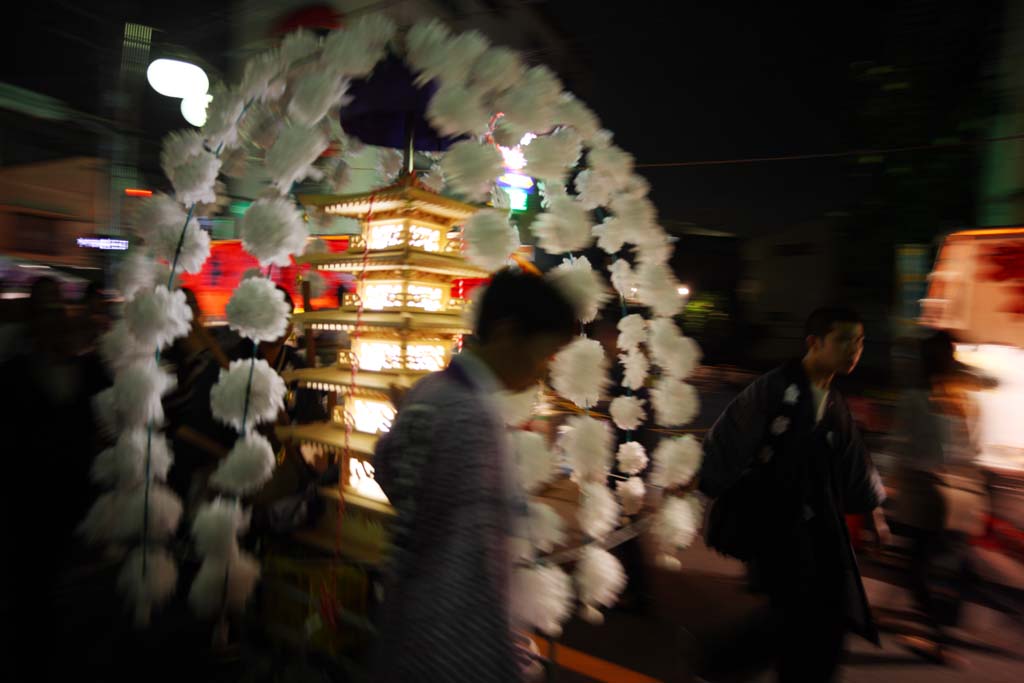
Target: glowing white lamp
x=175 y=78
x=194 y=109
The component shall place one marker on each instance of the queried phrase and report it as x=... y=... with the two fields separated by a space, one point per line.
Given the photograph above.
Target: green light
x=517 y=198
x=238 y=208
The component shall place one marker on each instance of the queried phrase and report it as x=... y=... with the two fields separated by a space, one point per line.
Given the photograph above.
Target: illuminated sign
x=517 y=199
x=102 y=243
x=135 y=192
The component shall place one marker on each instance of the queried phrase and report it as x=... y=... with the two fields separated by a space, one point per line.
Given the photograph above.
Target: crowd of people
x=784 y=466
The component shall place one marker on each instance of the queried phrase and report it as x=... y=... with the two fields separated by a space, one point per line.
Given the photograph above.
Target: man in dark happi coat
x=446 y=470
x=785 y=464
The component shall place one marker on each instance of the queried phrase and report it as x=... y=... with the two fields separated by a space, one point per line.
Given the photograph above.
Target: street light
x=684 y=291
x=175 y=78
x=193 y=108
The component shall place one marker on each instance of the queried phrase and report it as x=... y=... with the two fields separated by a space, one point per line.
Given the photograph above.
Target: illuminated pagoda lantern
x=412 y=286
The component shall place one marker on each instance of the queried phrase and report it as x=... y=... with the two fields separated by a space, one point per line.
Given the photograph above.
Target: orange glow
x=989 y=231
x=134 y=192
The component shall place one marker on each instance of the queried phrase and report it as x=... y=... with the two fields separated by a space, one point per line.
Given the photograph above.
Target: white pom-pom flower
x=547 y=528
x=676 y=355
x=637 y=213
x=191 y=168
x=447 y=59
x=151 y=588
x=356 y=49
x=136 y=272
x=632 y=331
x=631 y=494
x=653 y=245
x=532 y=103
x=623 y=279
x=676 y=523
x=427 y=43
x=612 y=163
x=587 y=443
x=158 y=316
x=317 y=283
x=217 y=526
x=600 y=579
x=292 y=157
x=658 y=289
x=631 y=458
x=117 y=516
x=259 y=72
x=490 y=239
x=535 y=463
x=497 y=70
x=124 y=463
x=676 y=461
x=542 y=598
x=457 y=110
x=572 y=112
x=314 y=247
x=272 y=230
x=104 y=408
x=258 y=310
x=599 y=511
x=517 y=408
x=565 y=226
x=235 y=399
x=298 y=45
x=675 y=402
x=314 y=97
x=470 y=168
x=433 y=179
x=594 y=190
x=582 y=286
x=222 y=119
x=119 y=348
x=579 y=372
x=635 y=367
x=611 y=234
x=248 y=466
x=156 y=214
x=224 y=585
x=551 y=157
x=138 y=389
x=187 y=252
x=627 y=412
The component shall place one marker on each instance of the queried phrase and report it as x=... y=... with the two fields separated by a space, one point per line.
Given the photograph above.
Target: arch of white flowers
x=285 y=109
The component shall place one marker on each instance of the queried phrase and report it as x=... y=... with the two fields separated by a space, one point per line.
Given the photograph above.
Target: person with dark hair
x=784 y=464
x=935 y=426
x=446 y=470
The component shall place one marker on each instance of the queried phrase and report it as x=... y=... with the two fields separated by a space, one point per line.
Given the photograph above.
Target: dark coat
x=787 y=482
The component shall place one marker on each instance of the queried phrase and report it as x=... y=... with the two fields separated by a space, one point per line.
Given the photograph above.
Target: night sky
x=675 y=81
x=724 y=81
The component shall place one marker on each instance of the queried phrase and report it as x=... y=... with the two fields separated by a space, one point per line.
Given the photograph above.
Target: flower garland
x=284 y=109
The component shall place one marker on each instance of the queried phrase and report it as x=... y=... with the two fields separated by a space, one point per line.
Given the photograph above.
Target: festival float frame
x=405 y=318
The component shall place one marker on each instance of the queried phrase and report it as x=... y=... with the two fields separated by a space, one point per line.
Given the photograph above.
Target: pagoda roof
x=372 y=384
x=396 y=257
x=405 y=195
x=332 y=435
x=394 y=321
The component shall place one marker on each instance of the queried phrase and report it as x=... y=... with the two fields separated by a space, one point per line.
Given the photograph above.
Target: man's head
x=835 y=339
x=523 y=320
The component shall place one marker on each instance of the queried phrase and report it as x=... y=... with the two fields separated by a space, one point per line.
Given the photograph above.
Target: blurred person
x=446 y=470
x=47 y=428
x=784 y=464
x=936 y=422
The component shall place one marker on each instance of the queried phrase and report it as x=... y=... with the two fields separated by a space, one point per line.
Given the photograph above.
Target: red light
x=132 y=192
